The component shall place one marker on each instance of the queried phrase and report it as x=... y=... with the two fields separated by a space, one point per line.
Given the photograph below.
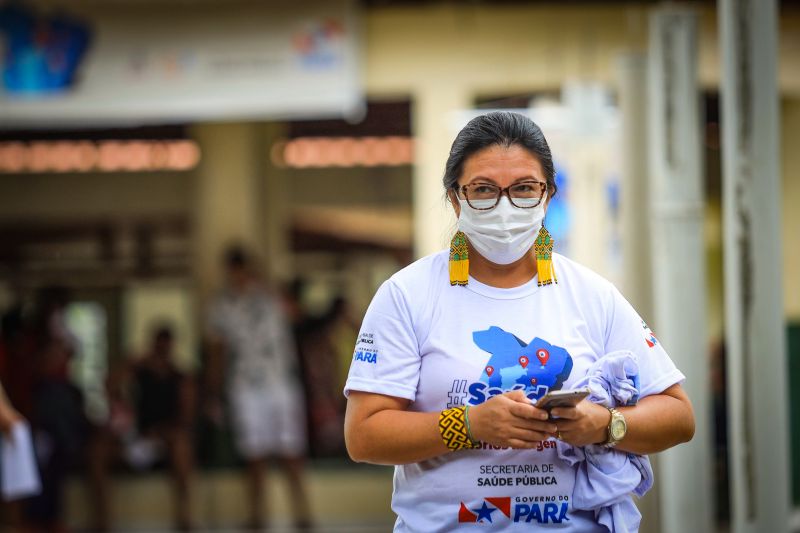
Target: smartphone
x=562 y=398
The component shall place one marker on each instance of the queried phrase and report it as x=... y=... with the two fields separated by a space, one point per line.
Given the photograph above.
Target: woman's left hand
x=586 y=423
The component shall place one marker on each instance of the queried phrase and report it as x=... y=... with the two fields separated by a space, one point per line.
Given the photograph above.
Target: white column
x=637 y=280
x=754 y=325
x=435 y=112
x=634 y=203
x=277 y=213
x=228 y=197
x=678 y=258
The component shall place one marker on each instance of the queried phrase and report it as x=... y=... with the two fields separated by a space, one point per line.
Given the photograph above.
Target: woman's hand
x=510 y=419
x=586 y=423
x=656 y=423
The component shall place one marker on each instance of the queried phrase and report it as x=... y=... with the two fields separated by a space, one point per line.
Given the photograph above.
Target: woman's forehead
x=512 y=162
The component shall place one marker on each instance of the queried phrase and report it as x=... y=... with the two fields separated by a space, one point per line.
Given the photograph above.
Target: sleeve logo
x=366 y=356
x=649 y=336
x=366 y=351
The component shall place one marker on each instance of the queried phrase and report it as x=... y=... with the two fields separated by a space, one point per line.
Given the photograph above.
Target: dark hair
x=235 y=257
x=500 y=128
x=163 y=332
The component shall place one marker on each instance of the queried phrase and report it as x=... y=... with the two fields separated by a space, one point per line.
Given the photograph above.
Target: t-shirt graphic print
x=536 y=367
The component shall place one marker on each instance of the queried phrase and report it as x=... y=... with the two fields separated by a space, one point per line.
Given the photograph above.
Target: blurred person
x=151 y=413
x=56 y=405
x=10 y=341
x=252 y=356
x=321 y=342
x=455 y=350
x=22 y=479
x=343 y=331
x=719 y=395
x=15 y=355
x=8 y=417
x=165 y=414
x=107 y=440
x=308 y=336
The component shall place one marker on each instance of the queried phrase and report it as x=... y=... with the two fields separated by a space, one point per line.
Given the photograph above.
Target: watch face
x=617 y=429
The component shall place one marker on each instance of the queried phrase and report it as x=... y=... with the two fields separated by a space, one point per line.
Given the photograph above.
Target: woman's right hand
x=510 y=420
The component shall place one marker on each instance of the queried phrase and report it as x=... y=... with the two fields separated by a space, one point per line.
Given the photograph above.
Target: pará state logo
x=521 y=510
x=534 y=367
x=366 y=351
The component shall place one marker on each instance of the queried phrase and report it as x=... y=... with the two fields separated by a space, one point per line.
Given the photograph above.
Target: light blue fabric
x=605 y=477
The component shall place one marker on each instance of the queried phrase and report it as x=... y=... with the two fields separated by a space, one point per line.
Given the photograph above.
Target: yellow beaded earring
x=543 y=247
x=459 y=259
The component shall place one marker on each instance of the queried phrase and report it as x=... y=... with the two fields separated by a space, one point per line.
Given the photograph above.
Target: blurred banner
x=161 y=62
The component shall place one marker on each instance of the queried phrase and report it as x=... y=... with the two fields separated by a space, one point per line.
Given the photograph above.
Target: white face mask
x=503 y=234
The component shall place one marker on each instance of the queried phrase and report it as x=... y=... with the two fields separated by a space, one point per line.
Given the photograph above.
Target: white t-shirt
x=442 y=346
x=257 y=337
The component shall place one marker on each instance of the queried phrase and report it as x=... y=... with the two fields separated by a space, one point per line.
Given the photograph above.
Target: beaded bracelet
x=466 y=420
x=454 y=428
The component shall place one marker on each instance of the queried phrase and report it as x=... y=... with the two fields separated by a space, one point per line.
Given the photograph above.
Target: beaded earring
x=459 y=259
x=543 y=247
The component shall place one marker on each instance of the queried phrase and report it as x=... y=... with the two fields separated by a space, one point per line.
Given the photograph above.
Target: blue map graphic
x=536 y=366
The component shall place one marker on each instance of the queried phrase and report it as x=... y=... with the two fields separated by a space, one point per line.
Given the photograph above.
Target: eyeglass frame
x=503 y=190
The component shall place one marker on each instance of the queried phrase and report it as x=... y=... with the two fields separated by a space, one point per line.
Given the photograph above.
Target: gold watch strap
x=610 y=440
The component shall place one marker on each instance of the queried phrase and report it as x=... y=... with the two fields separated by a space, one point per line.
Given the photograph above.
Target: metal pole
x=678 y=257
x=754 y=326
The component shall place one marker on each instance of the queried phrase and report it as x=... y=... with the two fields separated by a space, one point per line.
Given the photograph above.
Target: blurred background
x=141 y=139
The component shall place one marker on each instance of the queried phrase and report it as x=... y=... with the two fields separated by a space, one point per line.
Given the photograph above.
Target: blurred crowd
x=267 y=390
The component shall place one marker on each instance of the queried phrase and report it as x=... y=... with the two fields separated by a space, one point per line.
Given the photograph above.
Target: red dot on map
x=542 y=355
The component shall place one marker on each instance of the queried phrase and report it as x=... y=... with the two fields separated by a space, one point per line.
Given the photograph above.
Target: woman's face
x=502 y=166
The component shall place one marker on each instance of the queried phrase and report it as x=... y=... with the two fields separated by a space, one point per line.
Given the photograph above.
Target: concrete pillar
x=634 y=203
x=228 y=197
x=434 y=125
x=637 y=280
x=754 y=327
x=277 y=216
x=587 y=135
x=676 y=191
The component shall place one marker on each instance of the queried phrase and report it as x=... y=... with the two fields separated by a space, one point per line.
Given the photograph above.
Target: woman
x=446 y=373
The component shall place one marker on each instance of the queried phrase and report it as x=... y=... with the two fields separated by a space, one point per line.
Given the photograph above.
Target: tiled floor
x=343 y=500
x=341 y=528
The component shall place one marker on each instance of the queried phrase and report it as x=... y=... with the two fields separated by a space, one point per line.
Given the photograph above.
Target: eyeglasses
x=485 y=196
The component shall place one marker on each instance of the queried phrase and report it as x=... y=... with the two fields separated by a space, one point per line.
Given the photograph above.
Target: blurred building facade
x=341 y=199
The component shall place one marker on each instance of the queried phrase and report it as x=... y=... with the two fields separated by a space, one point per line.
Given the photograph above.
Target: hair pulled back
x=501 y=128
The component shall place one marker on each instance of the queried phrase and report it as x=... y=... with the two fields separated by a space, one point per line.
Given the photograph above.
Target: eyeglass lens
x=485 y=195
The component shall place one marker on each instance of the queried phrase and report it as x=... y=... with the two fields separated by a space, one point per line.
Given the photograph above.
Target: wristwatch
x=617 y=428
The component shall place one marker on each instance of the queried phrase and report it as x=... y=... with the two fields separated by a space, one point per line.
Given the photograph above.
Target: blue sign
x=42 y=53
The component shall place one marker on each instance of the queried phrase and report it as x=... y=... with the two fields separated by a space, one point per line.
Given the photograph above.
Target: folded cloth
x=605 y=477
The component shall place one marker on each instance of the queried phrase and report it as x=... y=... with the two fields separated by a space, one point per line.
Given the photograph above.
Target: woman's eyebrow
x=517 y=180
x=484 y=178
